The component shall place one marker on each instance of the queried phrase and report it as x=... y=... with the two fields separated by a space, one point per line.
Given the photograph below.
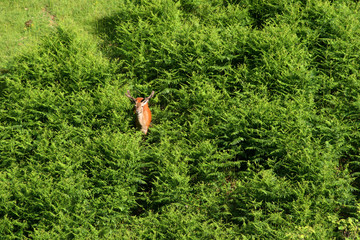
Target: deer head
x=142 y=110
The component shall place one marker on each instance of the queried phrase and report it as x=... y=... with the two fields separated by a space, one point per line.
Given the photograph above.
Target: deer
x=142 y=110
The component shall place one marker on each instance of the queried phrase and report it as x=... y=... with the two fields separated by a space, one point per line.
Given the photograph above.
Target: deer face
x=139 y=105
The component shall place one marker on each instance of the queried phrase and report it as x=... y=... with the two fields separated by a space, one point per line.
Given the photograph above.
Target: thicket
x=255 y=130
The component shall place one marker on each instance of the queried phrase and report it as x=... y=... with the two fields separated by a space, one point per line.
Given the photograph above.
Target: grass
x=255 y=120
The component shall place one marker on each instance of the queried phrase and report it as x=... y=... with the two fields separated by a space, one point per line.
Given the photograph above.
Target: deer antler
x=129 y=96
x=150 y=96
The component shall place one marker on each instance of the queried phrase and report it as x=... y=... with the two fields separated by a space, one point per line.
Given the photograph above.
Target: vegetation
x=255 y=130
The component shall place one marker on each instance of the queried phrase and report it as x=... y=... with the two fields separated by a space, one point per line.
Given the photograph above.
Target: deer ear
x=145 y=101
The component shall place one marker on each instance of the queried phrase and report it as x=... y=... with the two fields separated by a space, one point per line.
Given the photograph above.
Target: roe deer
x=142 y=110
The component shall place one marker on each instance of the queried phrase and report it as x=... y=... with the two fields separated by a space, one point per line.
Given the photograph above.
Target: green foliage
x=64 y=61
x=255 y=121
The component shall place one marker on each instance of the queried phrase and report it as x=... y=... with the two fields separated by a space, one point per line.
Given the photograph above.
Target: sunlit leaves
x=255 y=124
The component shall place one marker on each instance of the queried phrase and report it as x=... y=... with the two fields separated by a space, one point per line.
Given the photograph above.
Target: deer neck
x=142 y=116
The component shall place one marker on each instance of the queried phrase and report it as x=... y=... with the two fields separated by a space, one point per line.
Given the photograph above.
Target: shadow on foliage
x=106 y=29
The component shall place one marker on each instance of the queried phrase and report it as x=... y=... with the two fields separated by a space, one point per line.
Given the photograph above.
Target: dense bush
x=255 y=124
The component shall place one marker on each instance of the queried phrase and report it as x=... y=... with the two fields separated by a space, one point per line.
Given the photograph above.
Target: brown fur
x=143 y=111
